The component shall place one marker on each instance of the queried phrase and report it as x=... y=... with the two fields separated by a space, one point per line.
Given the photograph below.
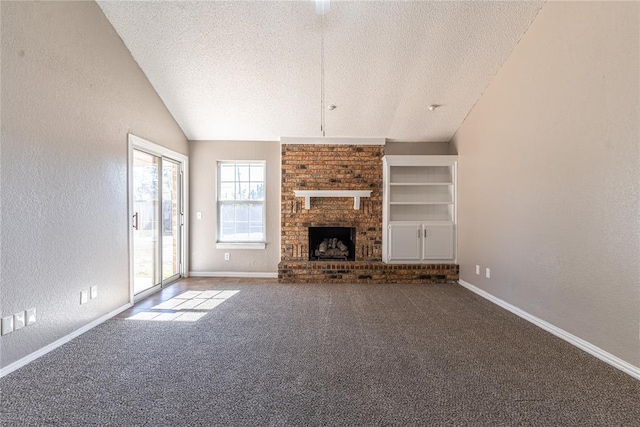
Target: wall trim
x=57 y=343
x=593 y=350
x=258 y=274
x=310 y=140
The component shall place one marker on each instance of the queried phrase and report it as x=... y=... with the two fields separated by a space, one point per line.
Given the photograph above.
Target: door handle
x=135 y=220
x=425 y=233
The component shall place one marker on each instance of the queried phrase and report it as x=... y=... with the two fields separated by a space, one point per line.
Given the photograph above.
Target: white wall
x=204 y=257
x=549 y=175
x=70 y=93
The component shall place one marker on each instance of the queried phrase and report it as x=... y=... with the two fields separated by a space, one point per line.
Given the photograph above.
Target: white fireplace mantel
x=356 y=194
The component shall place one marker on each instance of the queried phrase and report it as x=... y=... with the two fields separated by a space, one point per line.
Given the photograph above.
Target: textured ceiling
x=250 y=70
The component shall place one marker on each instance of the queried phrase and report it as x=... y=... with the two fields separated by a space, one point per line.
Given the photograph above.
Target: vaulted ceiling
x=251 y=70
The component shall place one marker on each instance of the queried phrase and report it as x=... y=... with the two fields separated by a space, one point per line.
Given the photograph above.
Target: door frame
x=141 y=144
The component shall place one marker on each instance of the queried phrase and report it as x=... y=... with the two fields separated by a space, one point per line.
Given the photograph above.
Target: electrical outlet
x=477 y=269
x=84 y=297
x=93 y=291
x=488 y=273
x=31 y=316
x=7 y=325
x=18 y=321
x=226 y=256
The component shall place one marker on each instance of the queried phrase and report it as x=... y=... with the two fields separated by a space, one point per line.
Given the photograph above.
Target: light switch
x=7 y=325
x=84 y=297
x=477 y=269
x=31 y=316
x=18 y=321
x=199 y=215
x=93 y=291
x=488 y=273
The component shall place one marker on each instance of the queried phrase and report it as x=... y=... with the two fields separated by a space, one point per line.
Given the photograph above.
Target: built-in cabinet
x=419 y=214
x=420 y=242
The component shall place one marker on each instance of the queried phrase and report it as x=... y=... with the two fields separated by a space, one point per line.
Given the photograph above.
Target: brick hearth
x=340 y=167
x=365 y=272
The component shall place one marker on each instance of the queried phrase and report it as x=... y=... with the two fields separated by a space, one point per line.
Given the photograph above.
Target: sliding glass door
x=146 y=200
x=171 y=183
x=156 y=220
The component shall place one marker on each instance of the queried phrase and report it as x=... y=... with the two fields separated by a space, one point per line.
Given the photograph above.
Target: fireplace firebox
x=332 y=243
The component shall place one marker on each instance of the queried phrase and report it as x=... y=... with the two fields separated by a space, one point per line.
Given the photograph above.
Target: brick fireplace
x=331 y=167
x=339 y=167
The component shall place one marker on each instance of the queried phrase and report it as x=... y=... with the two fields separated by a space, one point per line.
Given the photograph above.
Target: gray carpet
x=323 y=355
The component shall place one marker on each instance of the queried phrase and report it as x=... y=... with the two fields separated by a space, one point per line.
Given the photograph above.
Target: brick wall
x=331 y=167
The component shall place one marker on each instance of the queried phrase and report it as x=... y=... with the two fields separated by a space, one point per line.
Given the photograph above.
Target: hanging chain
x=322 y=117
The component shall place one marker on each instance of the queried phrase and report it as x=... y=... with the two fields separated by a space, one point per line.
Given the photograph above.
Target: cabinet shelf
x=432 y=222
x=416 y=184
x=420 y=195
x=422 y=213
x=420 y=203
x=420 y=174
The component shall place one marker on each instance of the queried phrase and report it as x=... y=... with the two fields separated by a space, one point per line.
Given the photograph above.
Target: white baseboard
x=259 y=275
x=44 y=350
x=593 y=350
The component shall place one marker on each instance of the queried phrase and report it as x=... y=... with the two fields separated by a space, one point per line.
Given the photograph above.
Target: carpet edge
x=605 y=356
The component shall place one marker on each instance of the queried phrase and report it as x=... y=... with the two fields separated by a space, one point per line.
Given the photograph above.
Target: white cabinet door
x=404 y=242
x=438 y=241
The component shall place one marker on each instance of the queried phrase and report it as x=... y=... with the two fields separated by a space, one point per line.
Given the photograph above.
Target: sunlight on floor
x=189 y=306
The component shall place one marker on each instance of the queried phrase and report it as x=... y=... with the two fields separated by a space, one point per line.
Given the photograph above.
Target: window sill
x=240 y=245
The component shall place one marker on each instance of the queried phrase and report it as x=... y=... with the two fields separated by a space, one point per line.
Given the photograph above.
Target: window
x=241 y=202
